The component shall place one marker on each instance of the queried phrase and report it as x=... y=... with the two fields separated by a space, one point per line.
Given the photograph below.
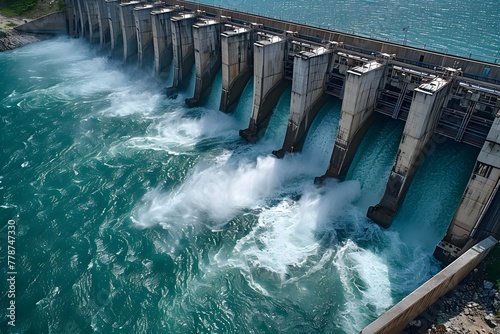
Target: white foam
x=286 y=235
x=177 y=132
x=365 y=281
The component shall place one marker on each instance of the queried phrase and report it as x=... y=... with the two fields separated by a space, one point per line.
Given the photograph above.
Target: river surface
x=135 y=214
x=467 y=28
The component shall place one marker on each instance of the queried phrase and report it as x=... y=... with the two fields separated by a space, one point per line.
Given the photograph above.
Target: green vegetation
x=61 y=5
x=16 y=7
x=493 y=266
x=30 y=8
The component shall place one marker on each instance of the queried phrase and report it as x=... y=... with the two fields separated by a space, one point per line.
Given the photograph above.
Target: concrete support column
x=84 y=18
x=93 y=19
x=478 y=213
x=183 y=47
x=70 y=17
x=207 y=57
x=76 y=18
x=308 y=87
x=237 y=53
x=104 y=31
x=128 y=29
x=424 y=113
x=142 y=17
x=115 y=27
x=162 y=39
x=269 y=83
x=360 y=97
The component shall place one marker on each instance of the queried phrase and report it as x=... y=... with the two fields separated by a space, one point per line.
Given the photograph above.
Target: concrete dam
x=437 y=96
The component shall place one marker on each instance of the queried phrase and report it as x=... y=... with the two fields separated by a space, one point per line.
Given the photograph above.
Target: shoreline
x=470 y=308
x=10 y=38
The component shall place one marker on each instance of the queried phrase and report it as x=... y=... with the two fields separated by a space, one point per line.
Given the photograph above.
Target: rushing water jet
x=147 y=216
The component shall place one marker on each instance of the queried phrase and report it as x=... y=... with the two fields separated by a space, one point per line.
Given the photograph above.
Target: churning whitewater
x=136 y=214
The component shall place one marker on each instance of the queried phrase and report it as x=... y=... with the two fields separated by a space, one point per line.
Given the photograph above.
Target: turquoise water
x=467 y=28
x=135 y=214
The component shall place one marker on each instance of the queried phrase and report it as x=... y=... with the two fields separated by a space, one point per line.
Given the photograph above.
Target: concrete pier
x=104 y=30
x=361 y=90
x=93 y=19
x=424 y=113
x=127 y=21
x=70 y=17
x=115 y=28
x=83 y=18
x=478 y=212
x=183 y=47
x=207 y=56
x=270 y=52
x=142 y=17
x=162 y=39
x=308 y=88
x=237 y=64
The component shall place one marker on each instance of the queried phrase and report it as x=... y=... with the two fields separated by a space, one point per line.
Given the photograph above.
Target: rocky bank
x=11 y=38
x=470 y=308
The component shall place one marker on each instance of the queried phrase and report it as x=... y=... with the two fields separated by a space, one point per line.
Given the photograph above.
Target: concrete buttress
x=127 y=21
x=183 y=47
x=361 y=91
x=115 y=27
x=308 y=87
x=93 y=19
x=477 y=215
x=104 y=31
x=237 y=53
x=207 y=56
x=425 y=110
x=70 y=17
x=269 y=83
x=84 y=18
x=77 y=18
x=142 y=17
x=162 y=39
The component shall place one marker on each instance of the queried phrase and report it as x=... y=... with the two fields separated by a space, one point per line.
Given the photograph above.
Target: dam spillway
x=150 y=139
x=436 y=95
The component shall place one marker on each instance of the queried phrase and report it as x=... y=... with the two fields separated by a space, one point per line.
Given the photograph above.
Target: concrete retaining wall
x=52 y=24
x=470 y=66
x=396 y=319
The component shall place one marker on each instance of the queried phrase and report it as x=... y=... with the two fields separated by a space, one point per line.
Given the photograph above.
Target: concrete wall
x=127 y=22
x=104 y=30
x=115 y=27
x=144 y=33
x=162 y=40
x=424 y=113
x=425 y=110
x=398 y=317
x=92 y=12
x=308 y=87
x=207 y=55
x=360 y=96
x=237 y=65
x=70 y=18
x=183 y=47
x=469 y=66
x=269 y=83
x=84 y=18
x=72 y=7
x=53 y=24
x=485 y=179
